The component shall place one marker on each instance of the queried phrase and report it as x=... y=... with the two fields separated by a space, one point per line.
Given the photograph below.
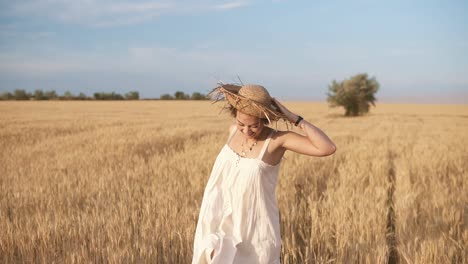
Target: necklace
x=245 y=152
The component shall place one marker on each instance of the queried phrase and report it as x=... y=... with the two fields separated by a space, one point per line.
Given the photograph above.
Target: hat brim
x=246 y=105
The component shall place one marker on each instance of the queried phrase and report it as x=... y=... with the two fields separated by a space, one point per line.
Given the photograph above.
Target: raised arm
x=314 y=143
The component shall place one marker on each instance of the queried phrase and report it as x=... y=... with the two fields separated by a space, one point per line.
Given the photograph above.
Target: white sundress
x=239 y=216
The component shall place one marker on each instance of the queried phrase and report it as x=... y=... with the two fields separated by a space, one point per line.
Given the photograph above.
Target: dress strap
x=265 y=145
x=231 y=134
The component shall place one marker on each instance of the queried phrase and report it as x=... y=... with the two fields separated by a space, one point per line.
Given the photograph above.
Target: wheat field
x=122 y=182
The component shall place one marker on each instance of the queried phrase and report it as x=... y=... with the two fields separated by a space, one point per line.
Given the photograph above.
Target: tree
x=39 y=95
x=51 y=95
x=20 y=94
x=116 y=96
x=82 y=96
x=355 y=94
x=97 y=96
x=6 y=96
x=198 y=96
x=132 y=95
x=68 y=96
x=108 y=96
x=181 y=96
x=166 y=97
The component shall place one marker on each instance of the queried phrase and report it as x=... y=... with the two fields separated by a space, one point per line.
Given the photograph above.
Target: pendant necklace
x=245 y=152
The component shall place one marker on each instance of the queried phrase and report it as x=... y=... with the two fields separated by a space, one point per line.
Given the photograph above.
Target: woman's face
x=250 y=126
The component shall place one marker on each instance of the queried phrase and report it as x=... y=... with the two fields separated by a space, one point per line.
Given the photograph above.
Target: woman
x=239 y=218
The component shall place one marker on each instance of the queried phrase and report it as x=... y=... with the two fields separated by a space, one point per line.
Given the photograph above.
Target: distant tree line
x=182 y=96
x=20 y=94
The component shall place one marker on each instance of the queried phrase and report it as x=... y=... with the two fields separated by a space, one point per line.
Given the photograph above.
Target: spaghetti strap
x=265 y=145
x=231 y=134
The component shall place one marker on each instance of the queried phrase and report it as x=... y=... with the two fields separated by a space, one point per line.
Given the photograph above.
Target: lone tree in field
x=355 y=94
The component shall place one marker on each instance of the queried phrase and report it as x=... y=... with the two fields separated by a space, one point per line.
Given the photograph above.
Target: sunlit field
x=122 y=182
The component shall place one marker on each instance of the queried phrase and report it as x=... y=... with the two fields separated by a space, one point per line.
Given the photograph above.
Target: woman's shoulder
x=279 y=133
x=282 y=135
x=275 y=134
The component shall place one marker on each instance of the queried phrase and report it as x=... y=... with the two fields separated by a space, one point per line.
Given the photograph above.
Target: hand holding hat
x=251 y=99
x=288 y=114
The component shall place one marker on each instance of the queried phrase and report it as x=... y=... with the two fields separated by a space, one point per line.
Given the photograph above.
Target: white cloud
x=108 y=12
x=11 y=33
x=143 y=64
x=136 y=60
x=89 y=12
x=147 y=66
x=231 y=5
x=44 y=66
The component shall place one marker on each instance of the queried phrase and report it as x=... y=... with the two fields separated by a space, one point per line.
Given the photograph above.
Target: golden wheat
x=122 y=182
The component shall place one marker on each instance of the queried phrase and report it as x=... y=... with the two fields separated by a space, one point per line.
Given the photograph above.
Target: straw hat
x=251 y=99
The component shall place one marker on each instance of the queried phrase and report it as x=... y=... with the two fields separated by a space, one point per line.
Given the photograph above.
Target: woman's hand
x=289 y=115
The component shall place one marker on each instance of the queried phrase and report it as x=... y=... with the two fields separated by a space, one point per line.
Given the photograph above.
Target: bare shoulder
x=279 y=137
x=290 y=140
x=282 y=136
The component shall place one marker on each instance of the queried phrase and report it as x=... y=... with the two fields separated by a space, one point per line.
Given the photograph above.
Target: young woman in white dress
x=239 y=218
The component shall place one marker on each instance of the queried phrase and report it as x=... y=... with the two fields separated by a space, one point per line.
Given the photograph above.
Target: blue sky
x=417 y=50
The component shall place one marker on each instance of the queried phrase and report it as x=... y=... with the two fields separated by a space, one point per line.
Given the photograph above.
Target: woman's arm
x=314 y=143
